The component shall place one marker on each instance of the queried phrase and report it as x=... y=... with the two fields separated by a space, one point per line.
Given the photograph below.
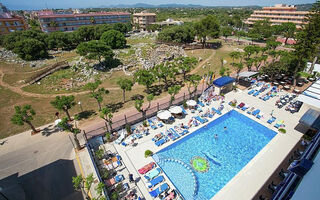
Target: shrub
x=144 y=123
x=185 y=105
x=128 y=128
x=282 y=130
x=115 y=195
x=108 y=137
x=148 y=153
x=105 y=173
x=99 y=154
x=233 y=104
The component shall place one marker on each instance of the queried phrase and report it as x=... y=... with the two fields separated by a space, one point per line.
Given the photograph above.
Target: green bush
x=99 y=154
x=148 y=153
x=115 y=195
x=144 y=123
x=128 y=128
x=185 y=105
x=233 y=104
x=108 y=137
x=282 y=130
x=105 y=173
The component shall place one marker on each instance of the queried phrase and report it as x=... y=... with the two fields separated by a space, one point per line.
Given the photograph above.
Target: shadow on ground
x=51 y=182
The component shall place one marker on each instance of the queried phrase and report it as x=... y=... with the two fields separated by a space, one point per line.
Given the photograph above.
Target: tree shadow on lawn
x=115 y=106
x=107 y=65
x=86 y=114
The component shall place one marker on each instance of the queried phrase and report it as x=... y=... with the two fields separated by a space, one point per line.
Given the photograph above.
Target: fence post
x=105 y=123
x=85 y=135
x=125 y=119
x=158 y=106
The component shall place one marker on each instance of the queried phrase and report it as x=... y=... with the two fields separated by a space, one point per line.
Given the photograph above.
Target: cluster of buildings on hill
x=70 y=20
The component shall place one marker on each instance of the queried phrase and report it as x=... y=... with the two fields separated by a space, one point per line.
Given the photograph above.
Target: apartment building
x=278 y=14
x=143 y=19
x=10 y=23
x=50 y=21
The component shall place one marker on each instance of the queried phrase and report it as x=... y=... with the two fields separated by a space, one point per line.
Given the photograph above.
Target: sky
x=40 y=4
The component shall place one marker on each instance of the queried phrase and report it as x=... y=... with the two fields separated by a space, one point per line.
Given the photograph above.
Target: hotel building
x=143 y=19
x=10 y=22
x=278 y=14
x=50 y=21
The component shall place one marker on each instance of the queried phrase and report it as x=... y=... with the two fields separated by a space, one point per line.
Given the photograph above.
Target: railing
x=133 y=119
x=105 y=193
x=289 y=185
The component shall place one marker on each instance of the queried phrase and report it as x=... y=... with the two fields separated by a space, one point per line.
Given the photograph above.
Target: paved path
x=42 y=164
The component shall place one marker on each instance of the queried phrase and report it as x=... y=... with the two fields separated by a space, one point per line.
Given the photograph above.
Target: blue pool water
x=226 y=156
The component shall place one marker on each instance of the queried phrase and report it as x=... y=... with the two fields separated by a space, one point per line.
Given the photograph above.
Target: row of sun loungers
x=153 y=178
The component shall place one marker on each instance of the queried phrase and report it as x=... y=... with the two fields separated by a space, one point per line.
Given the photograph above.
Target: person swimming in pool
x=216 y=136
x=225 y=129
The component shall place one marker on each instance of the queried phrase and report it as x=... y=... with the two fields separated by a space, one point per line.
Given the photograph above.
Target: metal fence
x=138 y=117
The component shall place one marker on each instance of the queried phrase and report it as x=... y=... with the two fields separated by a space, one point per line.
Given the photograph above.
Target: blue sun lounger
x=244 y=108
x=251 y=92
x=152 y=174
x=152 y=124
x=200 y=103
x=271 y=120
x=256 y=93
x=155 y=181
x=201 y=120
x=183 y=110
x=259 y=116
x=217 y=111
x=137 y=135
x=161 y=141
x=164 y=187
x=254 y=113
x=119 y=178
x=174 y=132
x=266 y=98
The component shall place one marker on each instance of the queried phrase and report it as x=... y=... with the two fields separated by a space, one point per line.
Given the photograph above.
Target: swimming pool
x=200 y=165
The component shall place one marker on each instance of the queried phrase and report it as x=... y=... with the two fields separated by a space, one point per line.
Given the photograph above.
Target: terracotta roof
x=144 y=14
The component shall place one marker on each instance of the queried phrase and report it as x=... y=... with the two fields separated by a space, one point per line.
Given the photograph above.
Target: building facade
x=50 y=21
x=143 y=19
x=10 y=23
x=279 y=14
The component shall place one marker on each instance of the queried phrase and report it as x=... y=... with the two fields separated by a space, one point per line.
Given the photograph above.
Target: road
x=42 y=164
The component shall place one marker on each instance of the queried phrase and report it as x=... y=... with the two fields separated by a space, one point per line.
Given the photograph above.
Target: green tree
x=226 y=31
x=165 y=72
x=64 y=103
x=69 y=127
x=239 y=67
x=125 y=85
x=123 y=28
x=138 y=104
x=177 y=34
x=106 y=114
x=84 y=184
x=249 y=51
x=173 y=90
x=114 y=39
x=96 y=92
x=207 y=27
x=153 y=27
x=23 y=115
x=235 y=55
x=95 y=50
x=86 y=33
x=260 y=30
x=288 y=29
x=240 y=34
x=186 y=64
x=30 y=49
x=57 y=40
x=144 y=77
x=193 y=81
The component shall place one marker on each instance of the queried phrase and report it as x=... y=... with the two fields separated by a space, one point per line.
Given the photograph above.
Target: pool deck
x=253 y=176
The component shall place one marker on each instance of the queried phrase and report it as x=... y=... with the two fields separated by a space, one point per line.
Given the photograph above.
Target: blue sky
x=39 y=4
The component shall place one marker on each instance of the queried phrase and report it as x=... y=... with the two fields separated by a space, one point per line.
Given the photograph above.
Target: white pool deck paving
x=253 y=176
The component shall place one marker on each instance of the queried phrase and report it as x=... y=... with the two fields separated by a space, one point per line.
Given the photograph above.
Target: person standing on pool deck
x=272 y=113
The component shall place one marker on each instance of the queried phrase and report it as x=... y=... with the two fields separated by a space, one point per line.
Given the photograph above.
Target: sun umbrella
x=57 y=122
x=164 y=114
x=175 y=109
x=191 y=103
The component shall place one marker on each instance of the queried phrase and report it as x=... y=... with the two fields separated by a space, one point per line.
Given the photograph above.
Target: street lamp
x=80 y=106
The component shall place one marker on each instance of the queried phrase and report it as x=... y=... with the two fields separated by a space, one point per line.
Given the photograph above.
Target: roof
x=83 y=14
x=222 y=81
x=311 y=119
x=309 y=186
x=144 y=14
x=247 y=74
x=311 y=95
